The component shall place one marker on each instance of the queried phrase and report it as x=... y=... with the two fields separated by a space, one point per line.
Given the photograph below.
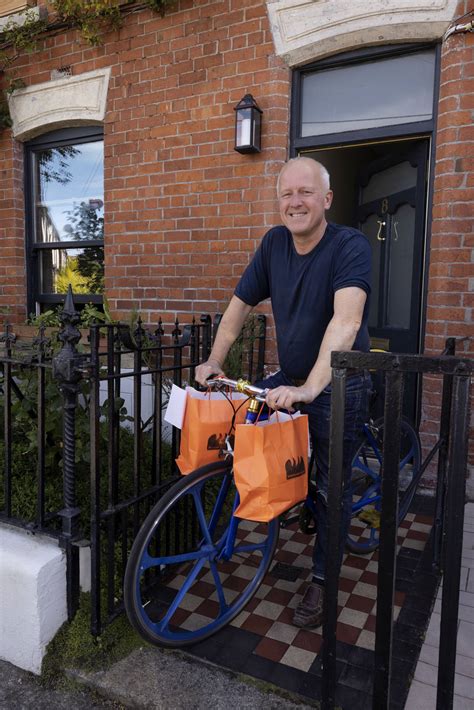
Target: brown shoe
x=309 y=612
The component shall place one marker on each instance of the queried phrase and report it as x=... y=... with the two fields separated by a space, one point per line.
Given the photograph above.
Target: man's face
x=303 y=199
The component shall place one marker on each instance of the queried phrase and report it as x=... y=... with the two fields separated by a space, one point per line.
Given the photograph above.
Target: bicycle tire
x=193 y=572
x=366 y=485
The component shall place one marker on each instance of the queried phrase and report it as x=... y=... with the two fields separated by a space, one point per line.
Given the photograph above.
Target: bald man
x=317 y=275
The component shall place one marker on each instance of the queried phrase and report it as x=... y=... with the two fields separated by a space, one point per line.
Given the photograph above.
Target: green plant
x=236 y=362
x=75 y=647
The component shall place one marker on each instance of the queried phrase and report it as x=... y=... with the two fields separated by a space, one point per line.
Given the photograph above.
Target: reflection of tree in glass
x=85 y=272
x=84 y=224
x=90 y=264
x=71 y=274
x=84 y=221
x=54 y=165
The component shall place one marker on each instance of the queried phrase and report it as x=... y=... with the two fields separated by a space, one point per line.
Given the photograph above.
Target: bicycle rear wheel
x=193 y=565
x=363 y=535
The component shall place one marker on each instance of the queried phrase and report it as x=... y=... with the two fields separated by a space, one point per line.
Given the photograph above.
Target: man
x=318 y=278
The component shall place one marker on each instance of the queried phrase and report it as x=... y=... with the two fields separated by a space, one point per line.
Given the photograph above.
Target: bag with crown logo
x=208 y=418
x=271 y=465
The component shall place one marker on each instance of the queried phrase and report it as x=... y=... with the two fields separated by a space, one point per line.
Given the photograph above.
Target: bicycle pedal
x=371 y=517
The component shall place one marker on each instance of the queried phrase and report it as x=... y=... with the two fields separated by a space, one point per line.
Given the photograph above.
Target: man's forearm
x=339 y=336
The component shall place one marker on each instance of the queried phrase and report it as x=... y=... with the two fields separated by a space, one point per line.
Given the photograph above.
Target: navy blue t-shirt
x=302 y=287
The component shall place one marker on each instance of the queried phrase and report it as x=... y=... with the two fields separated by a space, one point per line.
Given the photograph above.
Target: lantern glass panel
x=244 y=127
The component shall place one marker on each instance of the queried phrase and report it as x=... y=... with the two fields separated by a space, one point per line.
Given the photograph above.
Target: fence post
x=67 y=373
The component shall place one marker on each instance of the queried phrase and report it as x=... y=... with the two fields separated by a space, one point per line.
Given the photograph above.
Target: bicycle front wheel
x=193 y=565
x=366 y=484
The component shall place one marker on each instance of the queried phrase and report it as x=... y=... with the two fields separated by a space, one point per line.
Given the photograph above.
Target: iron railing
x=116 y=458
x=84 y=455
x=452 y=450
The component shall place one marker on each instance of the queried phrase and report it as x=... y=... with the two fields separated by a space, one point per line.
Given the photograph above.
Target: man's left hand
x=285 y=397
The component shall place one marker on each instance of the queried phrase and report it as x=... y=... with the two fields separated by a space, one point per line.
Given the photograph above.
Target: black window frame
x=63 y=137
x=378 y=133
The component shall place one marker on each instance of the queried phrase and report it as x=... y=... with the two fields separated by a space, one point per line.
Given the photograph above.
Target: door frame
x=381 y=134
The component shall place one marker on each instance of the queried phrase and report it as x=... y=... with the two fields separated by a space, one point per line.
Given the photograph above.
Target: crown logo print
x=216 y=442
x=295 y=467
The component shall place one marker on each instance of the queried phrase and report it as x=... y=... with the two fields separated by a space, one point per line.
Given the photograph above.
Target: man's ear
x=328 y=199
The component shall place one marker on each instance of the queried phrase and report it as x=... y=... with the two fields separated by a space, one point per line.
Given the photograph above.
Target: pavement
x=152 y=678
x=148 y=678
x=422 y=695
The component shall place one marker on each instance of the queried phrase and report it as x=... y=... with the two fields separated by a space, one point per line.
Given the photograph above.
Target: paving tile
x=278 y=652
x=271 y=649
x=421 y=696
x=353 y=617
x=465 y=666
x=268 y=610
x=282 y=632
x=465 y=645
x=366 y=639
x=298 y=658
x=426 y=673
x=464 y=686
x=466 y=598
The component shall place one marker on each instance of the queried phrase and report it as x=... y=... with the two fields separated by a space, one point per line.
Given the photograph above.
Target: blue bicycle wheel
x=363 y=535
x=194 y=565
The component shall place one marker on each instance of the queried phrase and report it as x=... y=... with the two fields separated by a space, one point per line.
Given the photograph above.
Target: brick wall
x=12 y=252
x=183 y=209
x=451 y=275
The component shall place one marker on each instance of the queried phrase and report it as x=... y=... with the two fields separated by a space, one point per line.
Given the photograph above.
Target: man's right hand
x=206 y=369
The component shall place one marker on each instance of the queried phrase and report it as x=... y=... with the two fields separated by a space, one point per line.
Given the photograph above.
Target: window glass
x=82 y=268
x=70 y=193
x=66 y=207
x=381 y=92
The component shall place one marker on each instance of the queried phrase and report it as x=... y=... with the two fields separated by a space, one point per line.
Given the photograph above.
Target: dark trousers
x=318 y=411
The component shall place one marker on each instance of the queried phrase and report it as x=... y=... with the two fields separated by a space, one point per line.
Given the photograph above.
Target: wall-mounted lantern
x=248 y=123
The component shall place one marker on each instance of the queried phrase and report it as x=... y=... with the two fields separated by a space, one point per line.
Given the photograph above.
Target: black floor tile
x=350 y=699
x=358 y=678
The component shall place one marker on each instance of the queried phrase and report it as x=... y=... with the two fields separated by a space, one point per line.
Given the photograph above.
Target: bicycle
x=181 y=591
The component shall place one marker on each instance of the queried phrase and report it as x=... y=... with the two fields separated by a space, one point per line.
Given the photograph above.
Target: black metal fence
x=86 y=453
x=85 y=448
x=452 y=450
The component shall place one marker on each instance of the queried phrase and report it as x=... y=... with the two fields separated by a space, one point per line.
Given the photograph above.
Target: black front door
x=391 y=212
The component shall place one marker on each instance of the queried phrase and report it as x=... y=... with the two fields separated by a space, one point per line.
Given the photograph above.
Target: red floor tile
x=271 y=649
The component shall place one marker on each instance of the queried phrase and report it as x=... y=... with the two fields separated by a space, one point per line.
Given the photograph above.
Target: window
x=65 y=217
x=368 y=94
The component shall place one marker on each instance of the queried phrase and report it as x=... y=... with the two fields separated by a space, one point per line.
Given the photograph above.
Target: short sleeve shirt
x=302 y=287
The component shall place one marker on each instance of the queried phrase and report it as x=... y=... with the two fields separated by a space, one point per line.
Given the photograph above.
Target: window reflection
x=83 y=269
x=69 y=202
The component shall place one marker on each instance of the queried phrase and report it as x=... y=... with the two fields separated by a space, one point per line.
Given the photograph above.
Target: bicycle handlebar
x=238 y=386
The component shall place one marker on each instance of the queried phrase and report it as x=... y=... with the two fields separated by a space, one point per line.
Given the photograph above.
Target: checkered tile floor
x=262 y=642
x=270 y=611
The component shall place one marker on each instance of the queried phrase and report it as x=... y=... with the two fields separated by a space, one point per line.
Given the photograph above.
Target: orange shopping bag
x=271 y=466
x=207 y=421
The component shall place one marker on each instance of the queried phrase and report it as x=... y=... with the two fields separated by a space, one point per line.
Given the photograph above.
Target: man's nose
x=295 y=199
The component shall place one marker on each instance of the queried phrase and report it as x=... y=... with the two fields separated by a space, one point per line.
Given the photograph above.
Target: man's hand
x=285 y=397
x=206 y=369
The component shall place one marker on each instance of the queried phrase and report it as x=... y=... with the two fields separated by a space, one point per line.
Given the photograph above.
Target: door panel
x=391 y=209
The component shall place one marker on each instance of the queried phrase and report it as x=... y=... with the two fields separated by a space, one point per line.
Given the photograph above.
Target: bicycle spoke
x=149 y=561
x=162 y=625
x=219 y=588
x=196 y=494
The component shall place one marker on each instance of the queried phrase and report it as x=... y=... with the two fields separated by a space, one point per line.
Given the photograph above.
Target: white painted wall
x=32 y=596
